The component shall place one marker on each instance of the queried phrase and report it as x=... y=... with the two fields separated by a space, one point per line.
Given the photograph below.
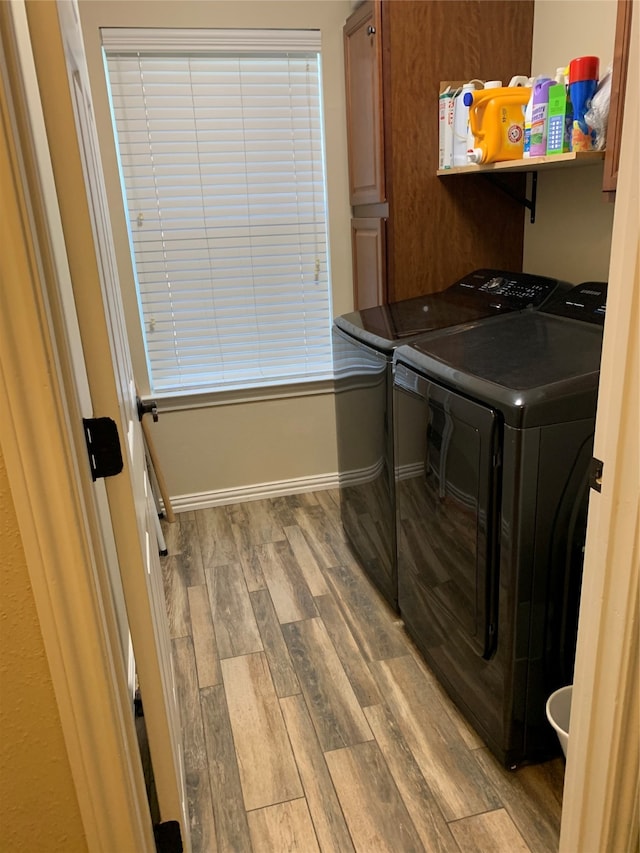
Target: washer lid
x=536 y=368
x=482 y=293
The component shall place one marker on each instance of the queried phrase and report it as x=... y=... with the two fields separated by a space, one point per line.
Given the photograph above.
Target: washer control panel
x=528 y=291
x=515 y=289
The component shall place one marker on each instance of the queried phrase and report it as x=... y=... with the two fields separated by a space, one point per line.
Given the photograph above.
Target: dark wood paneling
x=439 y=229
x=618 y=90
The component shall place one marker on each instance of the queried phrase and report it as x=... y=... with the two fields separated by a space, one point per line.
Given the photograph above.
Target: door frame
x=602 y=784
x=46 y=478
x=51 y=486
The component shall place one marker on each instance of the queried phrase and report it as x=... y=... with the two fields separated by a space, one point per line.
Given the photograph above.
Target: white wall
x=237 y=445
x=571 y=237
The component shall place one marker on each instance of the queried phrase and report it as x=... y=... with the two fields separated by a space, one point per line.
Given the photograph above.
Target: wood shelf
x=531 y=164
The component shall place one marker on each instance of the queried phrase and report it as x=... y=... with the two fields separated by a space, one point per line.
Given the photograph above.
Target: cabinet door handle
x=371 y=31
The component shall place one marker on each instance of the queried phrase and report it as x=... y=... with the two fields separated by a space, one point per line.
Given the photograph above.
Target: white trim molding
x=293 y=486
x=254 y=492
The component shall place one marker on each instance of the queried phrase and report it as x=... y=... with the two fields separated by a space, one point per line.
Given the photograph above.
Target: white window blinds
x=221 y=157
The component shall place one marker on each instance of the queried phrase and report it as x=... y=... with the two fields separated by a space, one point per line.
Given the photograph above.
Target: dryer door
x=447 y=488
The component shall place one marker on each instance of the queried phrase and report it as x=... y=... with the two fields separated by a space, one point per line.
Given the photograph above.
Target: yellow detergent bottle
x=496 y=120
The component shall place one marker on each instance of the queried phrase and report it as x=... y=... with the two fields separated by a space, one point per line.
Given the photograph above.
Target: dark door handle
x=371 y=31
x=148 y=408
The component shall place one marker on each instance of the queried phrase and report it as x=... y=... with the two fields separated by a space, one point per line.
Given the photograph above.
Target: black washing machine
x=363 y=346
x=494 y=431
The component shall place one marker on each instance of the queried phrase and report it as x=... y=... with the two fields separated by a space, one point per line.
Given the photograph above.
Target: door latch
x=168 y=837
x=103 y=447
x=595 y=474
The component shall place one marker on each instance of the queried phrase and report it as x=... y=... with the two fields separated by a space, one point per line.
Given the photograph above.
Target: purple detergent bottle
x=539 y=111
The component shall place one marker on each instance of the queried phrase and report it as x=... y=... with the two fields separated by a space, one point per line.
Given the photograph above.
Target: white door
x=132 y=520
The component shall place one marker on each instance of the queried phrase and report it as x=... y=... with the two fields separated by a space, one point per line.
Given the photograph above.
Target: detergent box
x=560 y=120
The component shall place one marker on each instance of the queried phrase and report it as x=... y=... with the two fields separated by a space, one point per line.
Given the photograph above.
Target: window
x=220 y=145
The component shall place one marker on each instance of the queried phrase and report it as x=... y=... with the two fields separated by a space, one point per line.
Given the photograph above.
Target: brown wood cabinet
x=369 y=250
x=618 y=90
x=364 y=105
x=430 y=231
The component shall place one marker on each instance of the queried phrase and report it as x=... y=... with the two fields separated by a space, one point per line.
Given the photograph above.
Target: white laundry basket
x=559 y=714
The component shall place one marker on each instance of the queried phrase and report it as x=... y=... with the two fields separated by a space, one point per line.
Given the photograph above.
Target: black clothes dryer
x=494 y=430
x=363 y=346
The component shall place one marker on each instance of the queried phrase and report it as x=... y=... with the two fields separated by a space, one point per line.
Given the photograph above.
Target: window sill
x=207 y=399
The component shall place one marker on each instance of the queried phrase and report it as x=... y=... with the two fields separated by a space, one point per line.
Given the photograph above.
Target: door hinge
x=595 y=474
x=168 y=837
x=103 y=447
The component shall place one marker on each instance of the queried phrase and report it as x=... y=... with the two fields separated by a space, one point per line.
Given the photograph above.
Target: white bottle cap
x=474 y=155
x=493 y=84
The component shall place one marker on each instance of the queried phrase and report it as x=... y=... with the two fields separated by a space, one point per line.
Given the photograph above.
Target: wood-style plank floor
x=309 y=720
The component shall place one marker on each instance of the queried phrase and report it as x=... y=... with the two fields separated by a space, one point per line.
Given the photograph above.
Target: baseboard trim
x=255 y=492
x=294 y=486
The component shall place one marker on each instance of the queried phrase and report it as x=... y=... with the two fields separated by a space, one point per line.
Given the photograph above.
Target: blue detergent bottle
x=583 y=82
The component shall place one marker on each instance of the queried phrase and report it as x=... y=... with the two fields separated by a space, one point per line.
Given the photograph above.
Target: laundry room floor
x=309 y=720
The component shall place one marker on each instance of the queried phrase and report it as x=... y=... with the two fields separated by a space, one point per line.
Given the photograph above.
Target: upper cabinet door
x=368 y=246
x=363 y=67
x=618 y=89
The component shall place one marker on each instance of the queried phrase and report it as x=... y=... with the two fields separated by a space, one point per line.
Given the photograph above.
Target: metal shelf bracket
x=529 y=203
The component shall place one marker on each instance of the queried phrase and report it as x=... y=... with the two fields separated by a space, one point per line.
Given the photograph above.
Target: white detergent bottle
x=461 y=124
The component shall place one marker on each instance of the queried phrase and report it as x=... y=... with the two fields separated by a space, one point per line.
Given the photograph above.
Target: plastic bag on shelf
x=597 y=116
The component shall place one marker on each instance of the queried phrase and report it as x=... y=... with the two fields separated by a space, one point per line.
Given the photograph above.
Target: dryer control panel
x=586 y=301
